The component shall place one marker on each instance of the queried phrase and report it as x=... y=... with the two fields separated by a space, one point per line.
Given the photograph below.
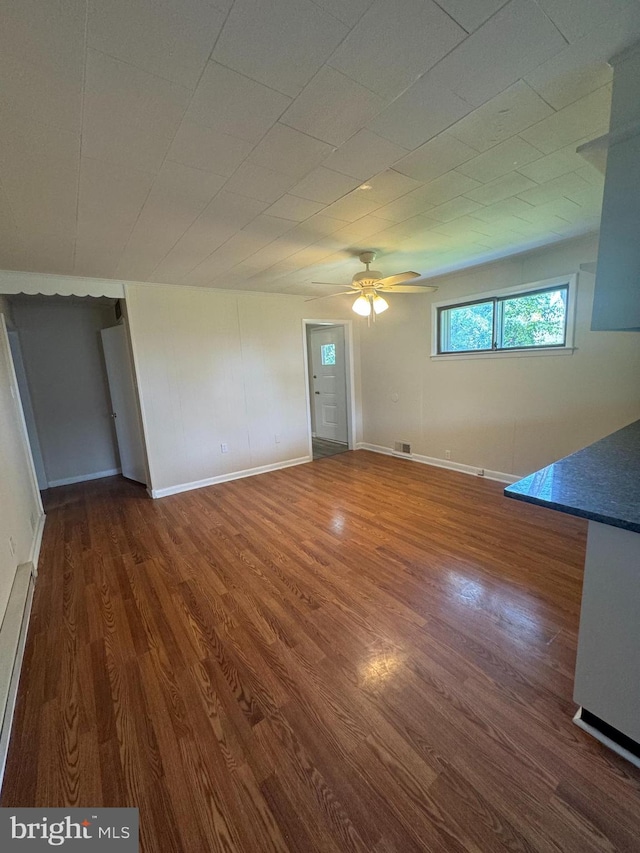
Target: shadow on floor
x=324 y=447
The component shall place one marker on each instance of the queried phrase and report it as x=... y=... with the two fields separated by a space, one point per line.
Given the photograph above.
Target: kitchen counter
x=601 y=482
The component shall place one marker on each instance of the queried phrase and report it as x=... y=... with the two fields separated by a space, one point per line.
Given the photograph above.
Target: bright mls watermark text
x=103 y=830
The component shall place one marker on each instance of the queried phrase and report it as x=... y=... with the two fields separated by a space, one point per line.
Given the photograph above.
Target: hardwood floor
x=359 y=654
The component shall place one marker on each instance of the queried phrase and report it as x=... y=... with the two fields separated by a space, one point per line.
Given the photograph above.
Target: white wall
x=5 y=308
x=20 y=506
x=59 y=338
x=508 y=414
x=219 y=367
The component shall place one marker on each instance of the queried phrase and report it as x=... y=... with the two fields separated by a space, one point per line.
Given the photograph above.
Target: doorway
x=330 y=387
x=68 y=376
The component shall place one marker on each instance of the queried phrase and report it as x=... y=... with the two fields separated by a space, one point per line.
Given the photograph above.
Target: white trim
x=347 y=326
x=607 y=741
x=225 y=478
x=137 y=372
x=499 y=476
x=571 y=280
x=503 y=353
x=34 y=557
x=82 y=478
x=13 y=638
x=34 y=283
x=15 y=393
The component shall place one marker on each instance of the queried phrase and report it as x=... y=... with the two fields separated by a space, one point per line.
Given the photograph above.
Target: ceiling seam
x=339 y=20
x=553 y=23
x=451 y=18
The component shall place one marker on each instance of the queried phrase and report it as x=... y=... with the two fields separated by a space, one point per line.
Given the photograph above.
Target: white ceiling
x=225 y=144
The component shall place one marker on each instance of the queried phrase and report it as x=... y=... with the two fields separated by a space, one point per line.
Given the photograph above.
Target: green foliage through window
x=521 y=321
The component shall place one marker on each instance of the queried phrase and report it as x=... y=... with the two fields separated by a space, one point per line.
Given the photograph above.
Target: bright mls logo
x=82 y=830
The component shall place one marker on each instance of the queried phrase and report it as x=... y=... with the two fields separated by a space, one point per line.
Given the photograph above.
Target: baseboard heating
x=13 y=635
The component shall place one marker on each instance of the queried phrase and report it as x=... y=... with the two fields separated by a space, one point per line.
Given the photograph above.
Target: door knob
x=317 y=392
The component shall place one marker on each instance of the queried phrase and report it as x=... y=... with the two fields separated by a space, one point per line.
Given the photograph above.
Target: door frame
x=347 y=326
x=27 y=409
x=15 y=393
x=108 y=288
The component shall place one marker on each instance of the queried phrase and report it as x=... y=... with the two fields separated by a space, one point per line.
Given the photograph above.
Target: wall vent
x=402 y=447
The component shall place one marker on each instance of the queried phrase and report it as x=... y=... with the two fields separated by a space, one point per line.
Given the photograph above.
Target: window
x=328 y=354
x=523 y=318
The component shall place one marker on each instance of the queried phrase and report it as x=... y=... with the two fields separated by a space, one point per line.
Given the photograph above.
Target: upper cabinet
x=616 y=305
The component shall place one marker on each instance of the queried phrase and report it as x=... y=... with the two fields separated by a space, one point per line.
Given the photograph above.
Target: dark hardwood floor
x=358 y=654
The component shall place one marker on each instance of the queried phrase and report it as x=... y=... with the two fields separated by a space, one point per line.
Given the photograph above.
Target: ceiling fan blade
x=399 y=278
x=406 y=288
x=328 y=295
x=329 y=284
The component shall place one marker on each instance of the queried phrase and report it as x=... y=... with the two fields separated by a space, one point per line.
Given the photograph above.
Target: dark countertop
x=601 y=482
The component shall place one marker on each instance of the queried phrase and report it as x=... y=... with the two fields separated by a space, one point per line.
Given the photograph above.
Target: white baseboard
x=499 y=476
x=13 y=637
x=69 y=481
x=225 y=478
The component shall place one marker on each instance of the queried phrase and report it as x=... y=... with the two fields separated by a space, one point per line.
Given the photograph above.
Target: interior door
x=124 y=403
x=329 y=385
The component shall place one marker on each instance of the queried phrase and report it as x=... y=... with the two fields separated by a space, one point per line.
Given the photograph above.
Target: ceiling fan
x=369 y=284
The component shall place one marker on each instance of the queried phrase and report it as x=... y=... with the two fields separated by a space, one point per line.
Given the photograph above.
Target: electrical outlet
x=12 y=545
x=447 y=454
x=277 y=438
x=224 y=448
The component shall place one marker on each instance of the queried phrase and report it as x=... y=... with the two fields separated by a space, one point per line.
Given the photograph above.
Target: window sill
x=516 y=353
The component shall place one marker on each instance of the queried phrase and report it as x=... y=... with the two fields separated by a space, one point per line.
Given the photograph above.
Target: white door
x=124 y=403
x=329 y=383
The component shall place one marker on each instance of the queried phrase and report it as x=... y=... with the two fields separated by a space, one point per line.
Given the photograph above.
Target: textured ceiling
x=259 y=144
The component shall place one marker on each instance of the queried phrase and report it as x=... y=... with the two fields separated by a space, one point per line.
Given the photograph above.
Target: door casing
x=349 y=371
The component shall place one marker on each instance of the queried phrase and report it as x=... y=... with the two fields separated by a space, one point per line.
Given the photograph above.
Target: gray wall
x=60 y=341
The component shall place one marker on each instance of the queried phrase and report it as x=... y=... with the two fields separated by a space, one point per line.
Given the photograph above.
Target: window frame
x=499 y=296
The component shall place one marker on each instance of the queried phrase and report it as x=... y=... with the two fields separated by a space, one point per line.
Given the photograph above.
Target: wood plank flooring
x=358 y=654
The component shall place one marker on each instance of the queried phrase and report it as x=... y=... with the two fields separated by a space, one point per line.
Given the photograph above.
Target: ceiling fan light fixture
x=380 y=304
x=362 y=306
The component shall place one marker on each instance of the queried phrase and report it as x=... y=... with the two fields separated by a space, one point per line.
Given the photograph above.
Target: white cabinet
x=607 y=681
x=616 y=305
